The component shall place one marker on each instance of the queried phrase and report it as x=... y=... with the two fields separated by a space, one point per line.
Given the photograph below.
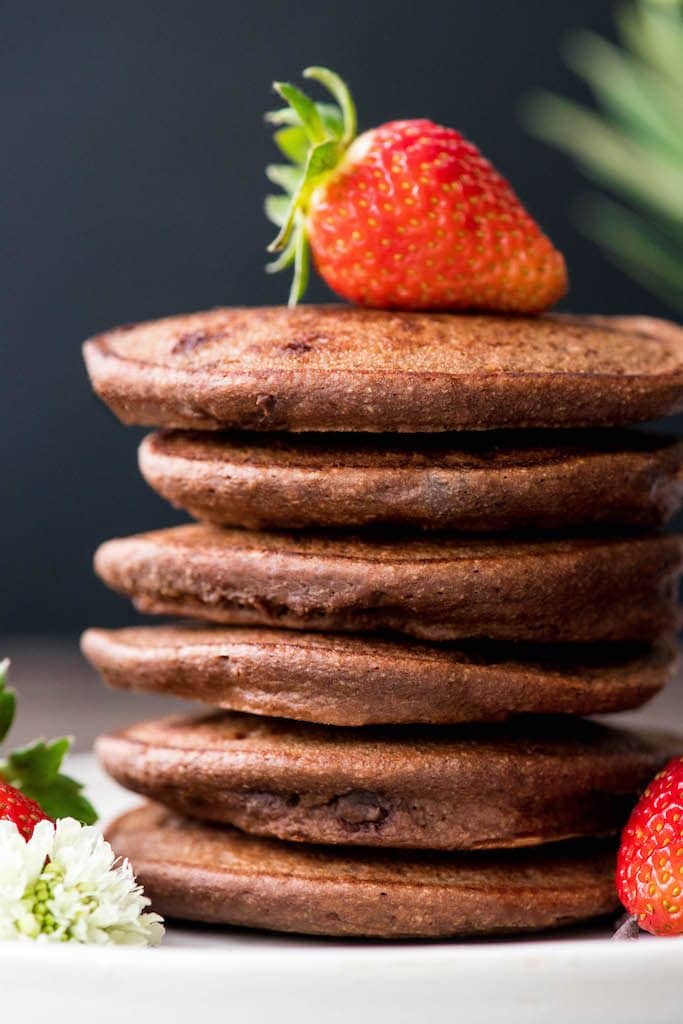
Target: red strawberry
x=650 y=861
x=16 y=807
x=406 y=216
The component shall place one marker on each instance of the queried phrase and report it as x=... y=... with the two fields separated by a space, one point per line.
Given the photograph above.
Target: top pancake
x=327 y=368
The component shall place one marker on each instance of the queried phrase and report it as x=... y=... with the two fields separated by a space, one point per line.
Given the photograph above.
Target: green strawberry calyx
x=36 y=769
x=314 y=137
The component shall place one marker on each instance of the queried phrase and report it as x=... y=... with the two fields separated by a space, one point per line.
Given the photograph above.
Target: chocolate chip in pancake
x=464 y=788
x=221 y=876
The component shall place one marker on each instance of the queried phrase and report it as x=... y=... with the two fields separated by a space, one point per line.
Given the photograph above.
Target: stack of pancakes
x=426 y=545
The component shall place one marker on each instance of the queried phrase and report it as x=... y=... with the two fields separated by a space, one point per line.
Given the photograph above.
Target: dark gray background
x=131 y=186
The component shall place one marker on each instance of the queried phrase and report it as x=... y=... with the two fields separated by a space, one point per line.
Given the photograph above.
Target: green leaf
x=320 y=159
x=8 y=701
x=630 y=91
x=284 y=115
x=330 y=115
x=656 y=35
x=635 y=246
x=332 y=119
x=277 y=208
x=607 y=154
x=636 y=150
x=284 y=175
x=339 y=89
x=41 y=761
x=301 y=266
x=314 y=136
x=62 y=798
x=292 y=143
x=285 y=259
x=35 y=770
x=305 y=109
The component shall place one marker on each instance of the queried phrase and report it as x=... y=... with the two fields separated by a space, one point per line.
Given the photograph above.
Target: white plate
x=210 y=975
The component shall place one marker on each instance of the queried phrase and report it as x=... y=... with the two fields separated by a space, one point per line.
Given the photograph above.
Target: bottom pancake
x=221 y=876
x=455 y=788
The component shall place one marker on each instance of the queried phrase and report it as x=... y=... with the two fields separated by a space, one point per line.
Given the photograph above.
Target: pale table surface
x=214 y=975
x=59 y=694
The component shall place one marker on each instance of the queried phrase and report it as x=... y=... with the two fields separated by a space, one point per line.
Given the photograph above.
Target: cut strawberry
x=16 y=807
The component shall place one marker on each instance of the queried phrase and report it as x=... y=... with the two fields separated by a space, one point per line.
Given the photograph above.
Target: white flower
x=66 y=885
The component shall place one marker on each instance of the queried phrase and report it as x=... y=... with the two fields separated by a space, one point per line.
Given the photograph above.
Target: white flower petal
x=65 y=884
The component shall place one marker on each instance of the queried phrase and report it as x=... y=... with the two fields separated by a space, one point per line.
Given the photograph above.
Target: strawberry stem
x=284 y=260
x=305 y=109
x=314 y=137
x=301 y=267
x=340 y=90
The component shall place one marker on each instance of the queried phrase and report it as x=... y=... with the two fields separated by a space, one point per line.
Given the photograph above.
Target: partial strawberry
x=406 y=216
x=650 y=861
x=36 y=770
x=16 y=807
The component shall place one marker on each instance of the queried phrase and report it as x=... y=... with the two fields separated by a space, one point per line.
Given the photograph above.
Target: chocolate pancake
x=349 y=680
x=478 y=483
x=220 y=876
x=466 y=788
x=339 y=368
x=446 y=588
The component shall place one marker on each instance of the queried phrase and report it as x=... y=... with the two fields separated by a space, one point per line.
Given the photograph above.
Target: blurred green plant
x=633 y=144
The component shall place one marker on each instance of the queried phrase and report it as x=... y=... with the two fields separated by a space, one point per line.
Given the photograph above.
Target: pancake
x=349 y=680
x=467 y=788
x=476 y=483
x=579 y=589
x=337 y=368
x=220 y=876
